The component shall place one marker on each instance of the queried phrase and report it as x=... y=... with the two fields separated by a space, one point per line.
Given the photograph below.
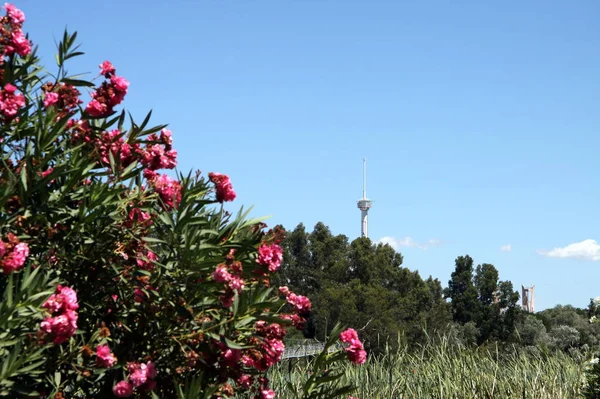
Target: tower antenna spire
x=364 y=178
x=364 y=204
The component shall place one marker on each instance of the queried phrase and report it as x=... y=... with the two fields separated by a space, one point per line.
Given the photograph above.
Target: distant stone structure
x=528 y=298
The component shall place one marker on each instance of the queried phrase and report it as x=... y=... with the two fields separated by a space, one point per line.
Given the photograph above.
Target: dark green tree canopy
x=361 y=284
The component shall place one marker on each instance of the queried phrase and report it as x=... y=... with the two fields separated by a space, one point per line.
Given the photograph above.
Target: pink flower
x=151 y=370
x=349 y=336
x=137 y=216
x=270 y=331
x=270 y=255
x=61 y=327
x=221 y=275
x=113 y=143
x=16 y=259
x=138 y=295
x=150 y=175
x=2 y=248
x=119 y=83
x=10 y=103
x=355 y=351
x=272 y=350
x=236 y=284
x=267 y=394
x=356 y=356
x=65 y=298
x=47 y=172
x=21 y=45
x=107 y=68
x=148 y=262
x=104 y=357
x=50 y=99
x=223 y=187
x=285 y=291
x=245 y=381
x=9 y=88
x=155 y=157
x=300 y=303
x=165 y=137
x=168 y=189
x=231 y=357
x=63 y=323
x=123 y=389
x=139 y=376
x=96 y=109
x=226 y=300
x=16 y=16
x=297 y=321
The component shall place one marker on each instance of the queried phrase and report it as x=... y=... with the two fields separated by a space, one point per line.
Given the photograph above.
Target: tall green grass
x=448 y=371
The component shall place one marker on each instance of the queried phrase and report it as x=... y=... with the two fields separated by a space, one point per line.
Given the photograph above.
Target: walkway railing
x=303 y=348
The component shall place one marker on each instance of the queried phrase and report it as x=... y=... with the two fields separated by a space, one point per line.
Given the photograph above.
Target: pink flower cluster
x=267 y=394
x=140 y=376
x=229 y=273
x=137 y=217
x=271 y=349
x=62 y=323
x=355 y=350
x=104 y=357
x=167 y=188
x=245 y=381
x=223 y=187
x=270 y=255
x=13 y=254
x=113 y=143
x=10 y=102
x=159 y=154
x=81 y=130
x=110 y=94
x=155 y=156
x=145 y=260
x=12 y=39
x=50 y=99
x=300 y=304
x=62 y=96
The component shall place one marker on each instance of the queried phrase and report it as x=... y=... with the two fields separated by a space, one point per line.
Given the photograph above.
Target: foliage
x=440 y=369
x=119 y=280
x=478 y=297
x=362 y=285
x=591 y=389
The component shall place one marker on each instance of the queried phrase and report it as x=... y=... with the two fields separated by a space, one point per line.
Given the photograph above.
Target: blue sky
x=479 y=119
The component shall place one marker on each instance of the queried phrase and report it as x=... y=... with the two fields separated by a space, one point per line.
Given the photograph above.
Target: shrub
x=119 y=279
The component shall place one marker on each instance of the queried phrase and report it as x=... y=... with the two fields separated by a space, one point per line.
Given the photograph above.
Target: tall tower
x=528 y=298
x=364 y=204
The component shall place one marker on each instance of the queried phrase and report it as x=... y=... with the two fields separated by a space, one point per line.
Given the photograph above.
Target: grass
x=449 y=371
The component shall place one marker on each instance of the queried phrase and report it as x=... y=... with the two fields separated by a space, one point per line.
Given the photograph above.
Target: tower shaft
x=364 y=223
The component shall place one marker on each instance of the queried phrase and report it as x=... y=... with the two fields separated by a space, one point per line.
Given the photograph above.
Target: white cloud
x=586 y=250
x=506 y=248
x=408 y=242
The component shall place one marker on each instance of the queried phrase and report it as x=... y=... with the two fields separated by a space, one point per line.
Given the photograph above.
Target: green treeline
x=364 y=285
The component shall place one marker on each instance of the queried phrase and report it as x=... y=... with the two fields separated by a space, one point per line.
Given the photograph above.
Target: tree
x=482 y=299
x=365 y=285
x=462 y=292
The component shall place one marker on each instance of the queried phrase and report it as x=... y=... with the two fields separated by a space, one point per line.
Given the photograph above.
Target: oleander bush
x=120 y=279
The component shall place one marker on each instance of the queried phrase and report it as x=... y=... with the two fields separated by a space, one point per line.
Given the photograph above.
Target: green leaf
x=78 y=82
